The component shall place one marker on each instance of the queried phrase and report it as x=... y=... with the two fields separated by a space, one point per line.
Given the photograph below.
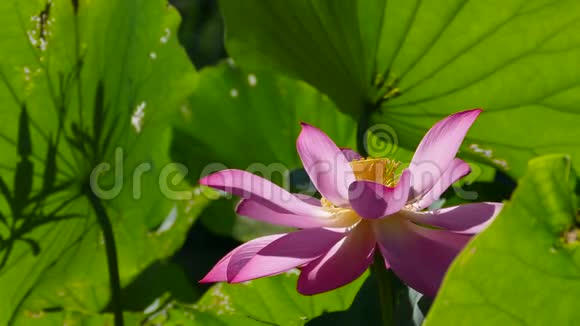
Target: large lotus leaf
x=59 y=318
x=524 y=269
x=89 y=83
x=414 y=62
x=269 y=301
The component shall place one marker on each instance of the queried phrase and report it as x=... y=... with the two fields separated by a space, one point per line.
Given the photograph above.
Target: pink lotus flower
x=365 y=205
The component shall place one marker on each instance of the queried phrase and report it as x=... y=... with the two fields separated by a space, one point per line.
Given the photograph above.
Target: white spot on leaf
x=252 y=80
x=165 y=38
x=137 y=118
x=484 y=152
x=153 y=306
x=501 y=163
x=26 y=73
x=488 y=153
x=32 y=38
x=169 y=221
x=234 y=93
x=34 y=314
x=220 y=301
